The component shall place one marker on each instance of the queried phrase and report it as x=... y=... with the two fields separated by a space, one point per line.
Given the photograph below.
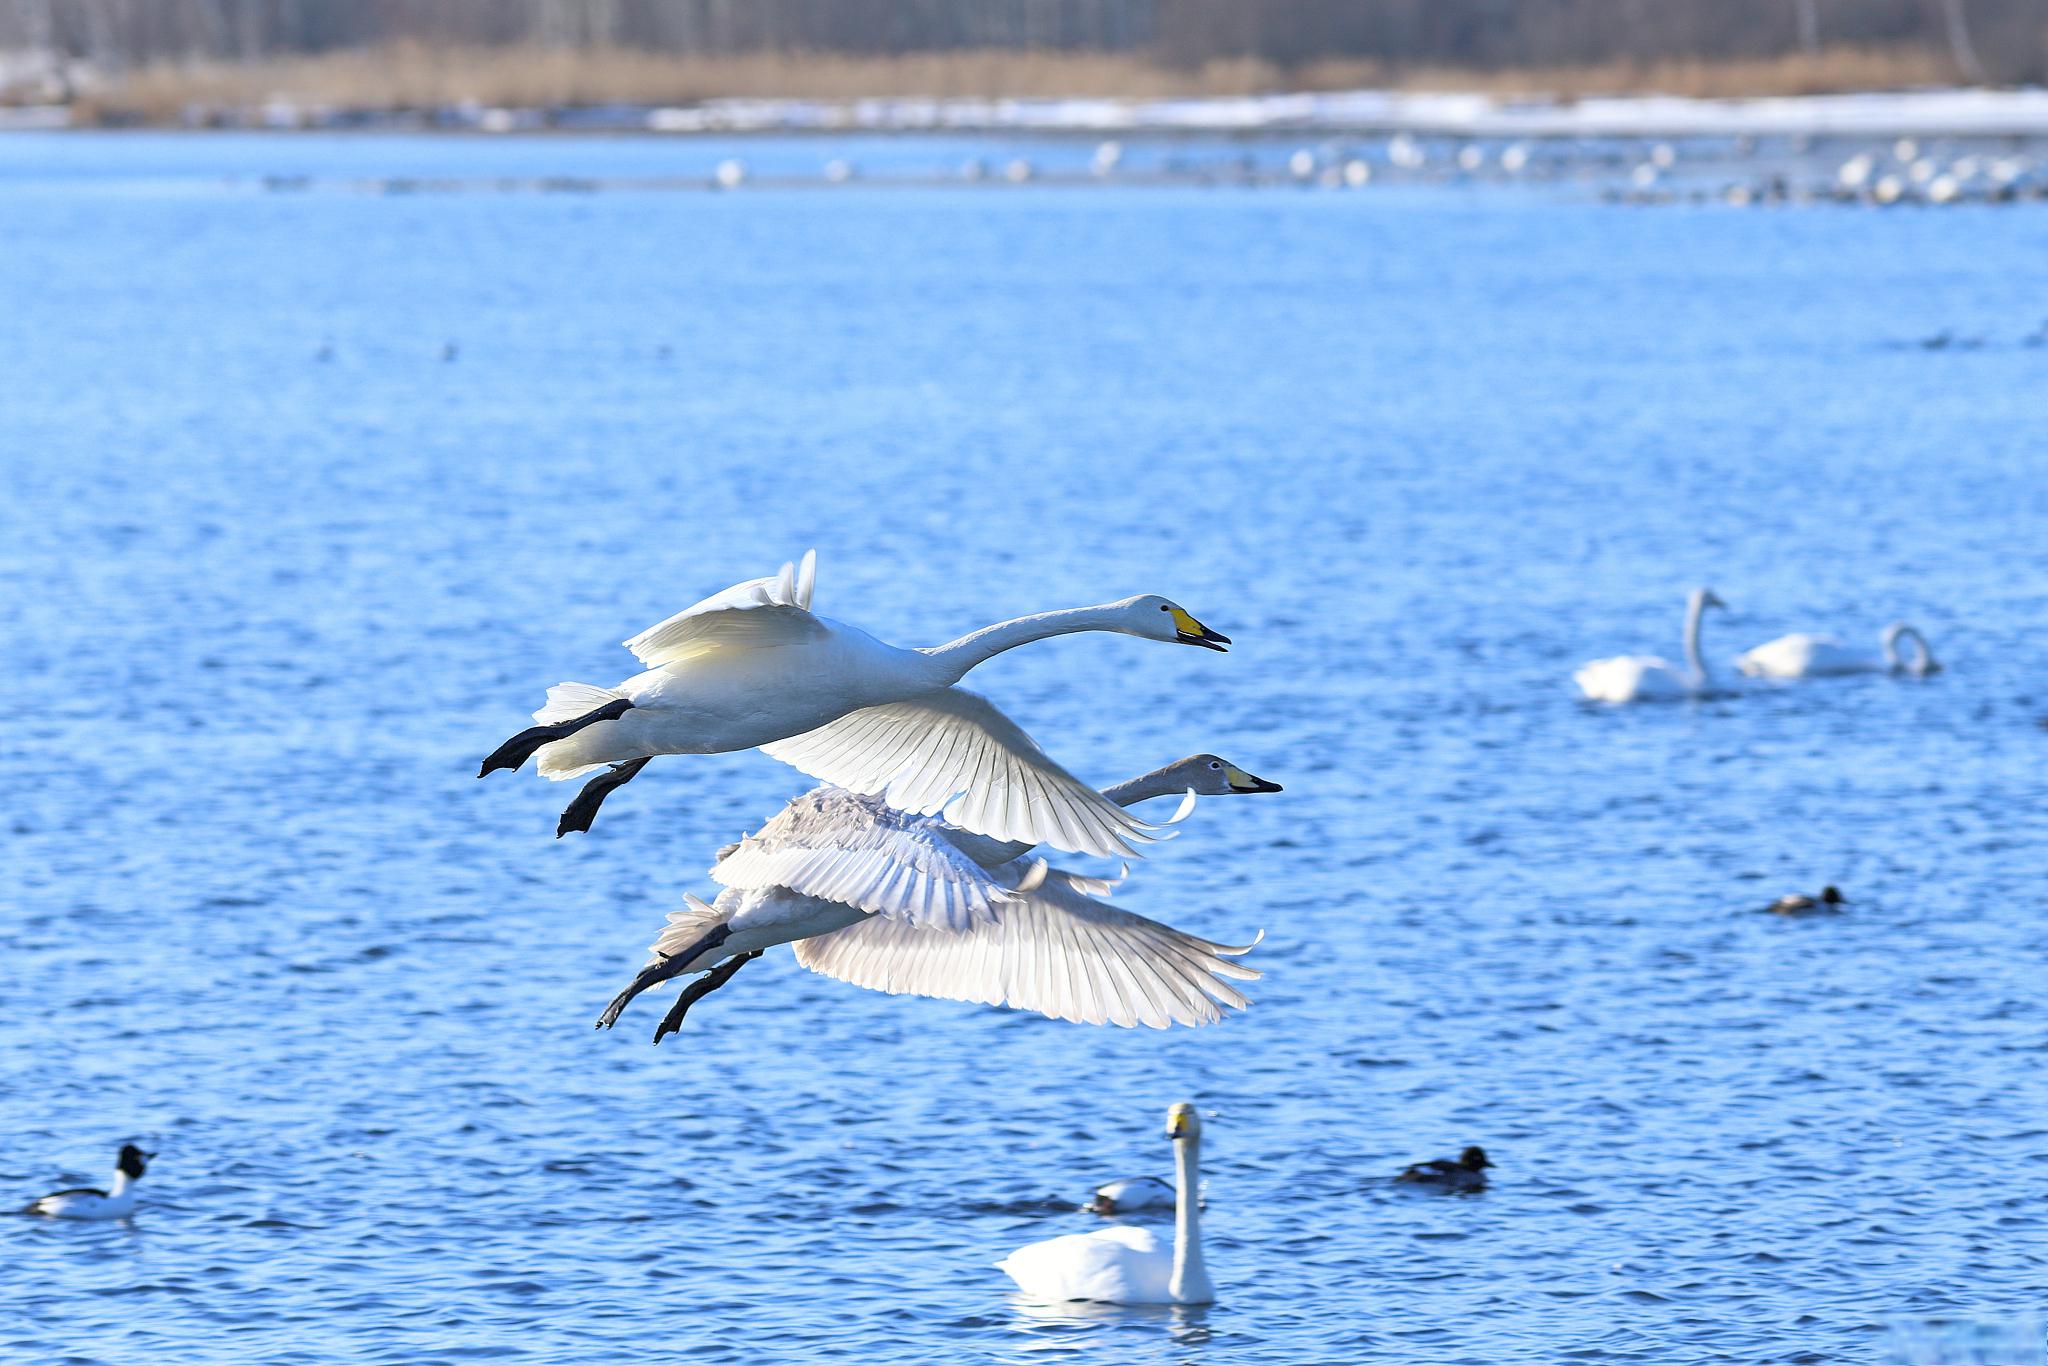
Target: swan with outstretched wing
x=754 y=667
x=913 y=905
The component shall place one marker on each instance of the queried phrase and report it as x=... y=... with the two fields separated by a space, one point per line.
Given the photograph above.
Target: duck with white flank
x=1465 y=1172
x=913 y=906
x=1799 y=903
x=90 y=1202
x=1131 y=1195
x=753 y=668
x=1123 y=1264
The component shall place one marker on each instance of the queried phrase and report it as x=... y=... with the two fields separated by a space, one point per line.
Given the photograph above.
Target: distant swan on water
x=1812 y=656
x=752 y=668
x=1126 y=1265
x=913 y=906
x=1649 y=678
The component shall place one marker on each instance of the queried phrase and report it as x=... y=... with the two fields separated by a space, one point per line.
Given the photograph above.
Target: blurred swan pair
x=912 y=871
x=1649 y=678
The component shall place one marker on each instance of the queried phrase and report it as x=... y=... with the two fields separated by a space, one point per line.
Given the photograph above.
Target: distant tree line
x=1999 y=40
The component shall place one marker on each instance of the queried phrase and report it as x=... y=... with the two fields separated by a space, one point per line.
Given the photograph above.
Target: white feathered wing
x=841 y=846
x=953 y=753
x=1052 y=949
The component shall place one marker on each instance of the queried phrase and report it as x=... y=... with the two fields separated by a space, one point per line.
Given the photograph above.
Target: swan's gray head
x=1707 y=597
x=1208 y=776
x=1183 y=1122
x=1157 y=618
x=132 y=1161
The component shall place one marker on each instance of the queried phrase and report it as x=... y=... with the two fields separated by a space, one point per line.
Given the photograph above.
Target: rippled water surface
x=1419 y=452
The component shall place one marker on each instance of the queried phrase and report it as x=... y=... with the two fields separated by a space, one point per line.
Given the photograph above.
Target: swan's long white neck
x=1923 y=658
x=958 y=656
x=1160 y=782
x=1190 y=1283
x=1694 y=610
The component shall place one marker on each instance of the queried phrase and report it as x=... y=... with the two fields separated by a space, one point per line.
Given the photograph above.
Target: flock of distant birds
x=914 y=869
x=1737 y=171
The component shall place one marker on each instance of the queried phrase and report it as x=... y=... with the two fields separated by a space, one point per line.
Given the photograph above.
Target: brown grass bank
x=413 y=76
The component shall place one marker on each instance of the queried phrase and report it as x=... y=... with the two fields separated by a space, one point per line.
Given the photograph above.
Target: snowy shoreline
x=1927 y=113
x=1915 y=113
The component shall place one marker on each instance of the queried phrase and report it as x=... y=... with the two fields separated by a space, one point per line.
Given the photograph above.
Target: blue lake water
x=1420 y=452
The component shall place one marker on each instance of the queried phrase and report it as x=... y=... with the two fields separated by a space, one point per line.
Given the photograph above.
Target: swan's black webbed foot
x=583 y=810
x=698 y=990
x=520 y=747
x=666 y=966
x=652 y=975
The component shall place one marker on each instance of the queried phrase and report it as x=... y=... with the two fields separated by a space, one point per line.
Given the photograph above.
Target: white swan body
x=753 y=668
x=1125 y=1265
x=1647 y=678
x=910 y=905
x=116 y=1202
x=1815 y=656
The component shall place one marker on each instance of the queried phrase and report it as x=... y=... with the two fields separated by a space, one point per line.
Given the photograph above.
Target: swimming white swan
x=910 y=905
x=1125 y=1265
x=753 y=668
x=1647 y=678
x=1809 y=656
x=90 y=1202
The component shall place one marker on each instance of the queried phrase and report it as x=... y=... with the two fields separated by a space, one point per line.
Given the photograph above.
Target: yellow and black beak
x=1188 y=631
x=1241 y=781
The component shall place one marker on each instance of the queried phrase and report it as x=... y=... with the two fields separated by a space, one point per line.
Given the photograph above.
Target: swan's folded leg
x=698 y=990
x=581 y=812
x=663 y=968
x=520 y=747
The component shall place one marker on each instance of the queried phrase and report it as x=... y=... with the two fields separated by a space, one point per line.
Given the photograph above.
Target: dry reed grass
x=418 y=76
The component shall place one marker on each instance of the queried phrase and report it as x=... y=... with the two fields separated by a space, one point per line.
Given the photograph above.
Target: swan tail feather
x=584 y=752
x=567 y=701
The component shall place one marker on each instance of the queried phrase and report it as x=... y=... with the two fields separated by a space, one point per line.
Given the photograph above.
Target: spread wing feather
x=758 y=612
x=841 y=846
x=1054 y=950
x=952 y=753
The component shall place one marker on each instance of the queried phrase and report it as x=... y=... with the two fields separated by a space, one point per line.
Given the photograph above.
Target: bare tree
x=1959 y=41
x=1809 y=26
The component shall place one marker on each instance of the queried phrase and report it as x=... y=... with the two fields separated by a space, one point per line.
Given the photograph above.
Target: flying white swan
x=1808 y=656
x=752 y=667
x=1125 y=1265
x=1647 y=678
x=910 y=905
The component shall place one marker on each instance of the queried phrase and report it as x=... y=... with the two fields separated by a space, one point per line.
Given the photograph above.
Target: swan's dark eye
x=1214 y=764
x=1164 y=608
